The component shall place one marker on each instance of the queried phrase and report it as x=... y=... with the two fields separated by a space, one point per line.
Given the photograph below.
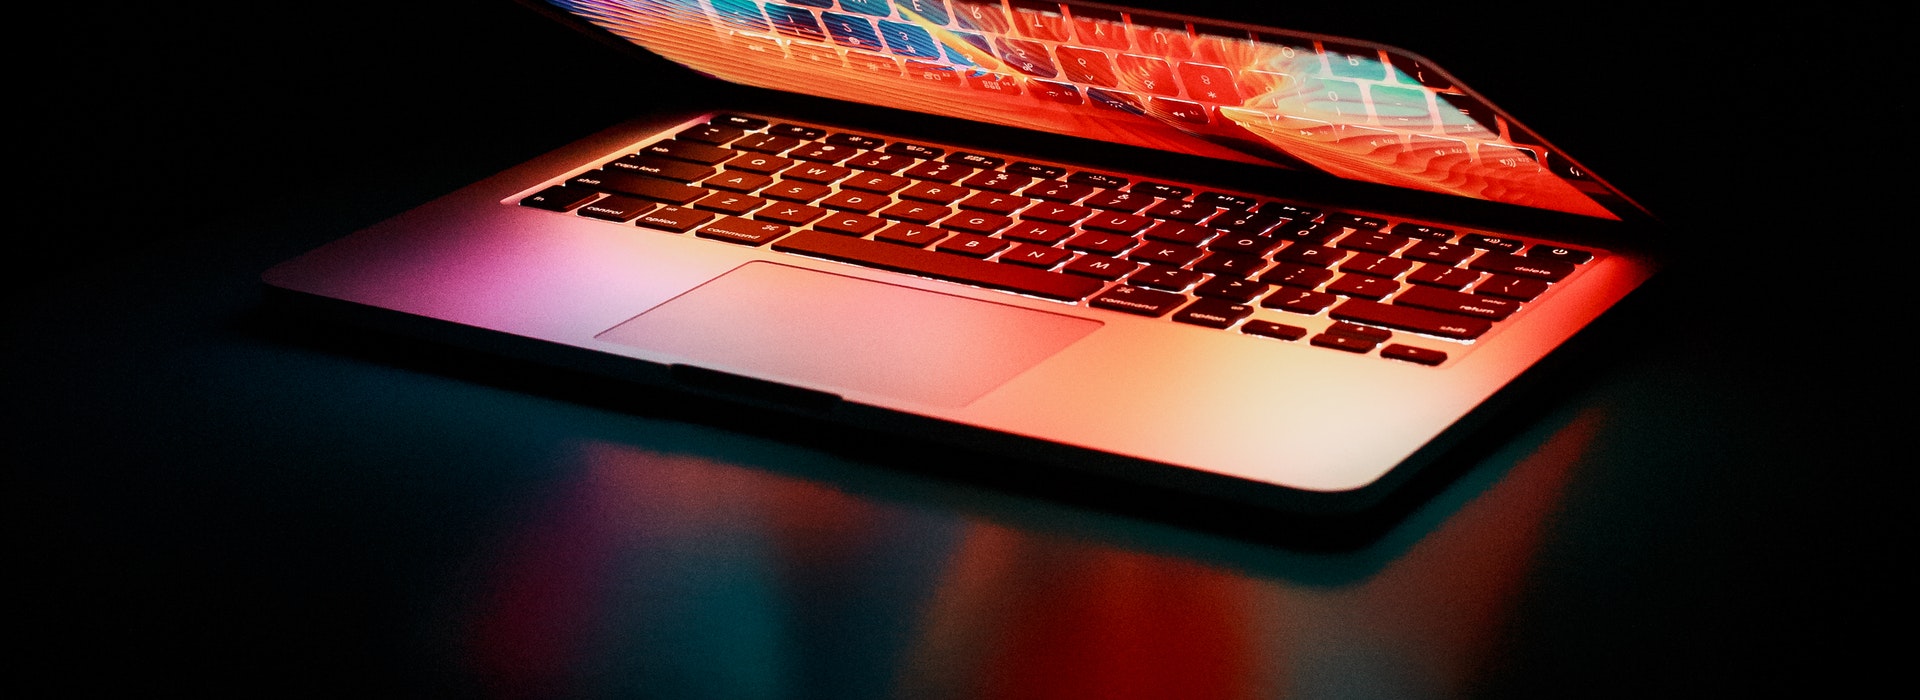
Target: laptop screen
x=1352 y=109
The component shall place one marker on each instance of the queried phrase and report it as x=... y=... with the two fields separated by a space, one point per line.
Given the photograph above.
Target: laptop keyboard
x=1351 y=282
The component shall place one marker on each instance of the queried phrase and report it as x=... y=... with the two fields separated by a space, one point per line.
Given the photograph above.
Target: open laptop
x=1272 y=268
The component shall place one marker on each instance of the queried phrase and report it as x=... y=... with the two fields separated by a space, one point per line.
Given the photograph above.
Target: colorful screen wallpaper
x=1353 y=110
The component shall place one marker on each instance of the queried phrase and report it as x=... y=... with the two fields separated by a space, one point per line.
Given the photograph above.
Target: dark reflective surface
x=218 y=498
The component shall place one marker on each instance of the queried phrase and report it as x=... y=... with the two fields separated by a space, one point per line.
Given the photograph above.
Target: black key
x=1161 y=189
x=1172 y=279
x=976 y=160
x=1445 y=277
x=1045 y=172
x=1344 y=342
x=1101 y=180
x=850 y=224
x=1357 y=221
x=639 y=186
x=1299 y=301
x=805 y=133
x=1231 y=289
x=1407 y=318
x=559 y=198
x=1475 y=305
x=913 y=150
x=1138 y=300
x=746 y=231
x=715 y=134
x=617 y=208
x=1213 y=313
x=856 y=141
x=1273 y=330
x=730 y=203
x=1229 y=202
x=926 y=263
x=911 y=234
x=1296 y=275
x=1522 y=266
x=661 y=168
x=691 y=151
x=737 y=121
x=1230 y=264
x=1486 y=242
x=1413 y=354
x=1356 y=330
x=766 y=143
x=1057 y=191
x=676 y=219
x=1566 y=254
x=1424 y=232
x=1101 y=267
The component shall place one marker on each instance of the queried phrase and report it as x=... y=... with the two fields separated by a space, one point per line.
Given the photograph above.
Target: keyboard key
x=739 y=122
x=816 y=172
x=978 y=222
x=911 y=234
x=758 y=163
x=1035 y=255
x=1014 y=278
x=790 y=214
x=994 y=202
x=766 y=143
x=745 y=231
x=1101 y=267
x=1057 y=191
x=617 y=208
x=1296 y=275
x=1300 y=301
x=1475 y=305
x=795 y=191
x=850 y=224
x=1563 y=254
x=1344 y=342
x=1363 y=286
x=856 y=201
x=661 y=168
x=1410 y=353
x=1138 y=300
x=1230 y=264
x=1273 y=330
x=1172 y=279
x=915 y=212
x=971 y=245
x=1510 y=287
x=1213 y=313
x=559 y=198
x=675 y=219
x=935 y=192
x=1231 y=289
x=1101 y=243
x=715 y=134
x=737 y=181
x=876 y=182
x=1522 y=266
x=1100 y=180
x=948 y=173
x=638 y=185
x=1443 y=276
x=1407 y=318
x=691 y=152
x=804 y=133
x=730 y=203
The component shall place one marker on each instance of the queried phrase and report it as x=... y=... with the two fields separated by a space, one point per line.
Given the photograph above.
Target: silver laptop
x=1237 y=262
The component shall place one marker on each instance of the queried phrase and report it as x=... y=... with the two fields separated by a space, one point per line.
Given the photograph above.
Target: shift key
x=638 y=185
x=1407 y=318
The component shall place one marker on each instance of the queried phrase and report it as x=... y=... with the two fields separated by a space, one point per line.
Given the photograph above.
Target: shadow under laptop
x=685 y=537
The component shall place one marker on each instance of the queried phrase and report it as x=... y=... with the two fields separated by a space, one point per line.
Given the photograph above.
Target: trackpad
x=842 y=334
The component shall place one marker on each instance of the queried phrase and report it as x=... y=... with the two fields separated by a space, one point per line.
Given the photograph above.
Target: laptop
x=1239 y=263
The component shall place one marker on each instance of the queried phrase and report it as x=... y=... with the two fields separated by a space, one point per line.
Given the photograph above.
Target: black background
x=159 y=141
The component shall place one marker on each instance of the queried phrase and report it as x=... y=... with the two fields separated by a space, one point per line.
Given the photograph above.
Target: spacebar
x=946 y=266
